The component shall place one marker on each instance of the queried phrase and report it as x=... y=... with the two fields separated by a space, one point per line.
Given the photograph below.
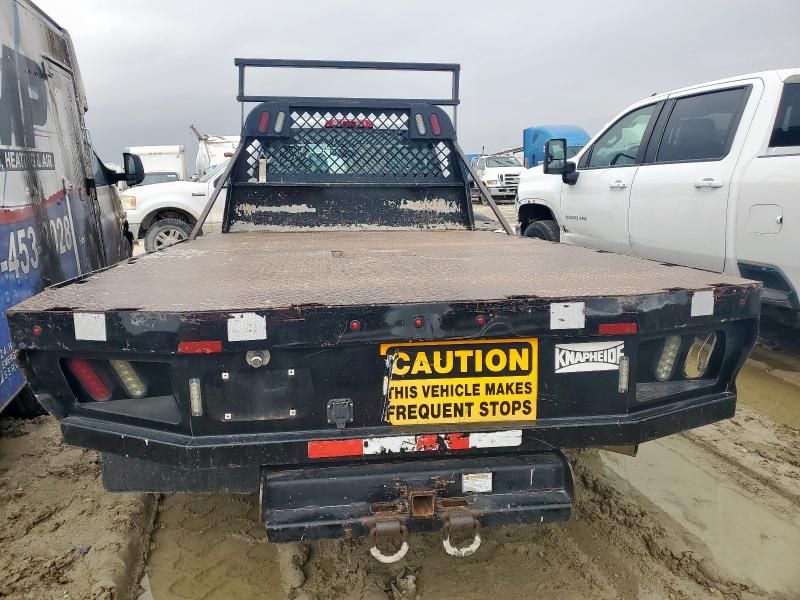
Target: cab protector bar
x=482 y=189
x=221 y=181
x=243 y=63
x=454 y=101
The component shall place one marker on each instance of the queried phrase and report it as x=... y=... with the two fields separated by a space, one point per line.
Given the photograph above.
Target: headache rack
x=346 y=163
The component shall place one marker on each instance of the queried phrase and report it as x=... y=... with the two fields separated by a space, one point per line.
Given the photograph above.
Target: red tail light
x=228 y=154
x=435 y=128
x=89 y=379
x=263 y=121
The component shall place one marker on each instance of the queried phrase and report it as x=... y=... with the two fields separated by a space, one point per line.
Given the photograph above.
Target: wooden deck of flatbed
x=250 y=271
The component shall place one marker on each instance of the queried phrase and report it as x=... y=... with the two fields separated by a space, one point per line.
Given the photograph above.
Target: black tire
x=24 y=406
x=543 y=230
x=166 y=232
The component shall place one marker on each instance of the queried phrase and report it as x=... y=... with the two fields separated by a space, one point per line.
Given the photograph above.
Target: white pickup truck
x=164 y=213
x=707 y=176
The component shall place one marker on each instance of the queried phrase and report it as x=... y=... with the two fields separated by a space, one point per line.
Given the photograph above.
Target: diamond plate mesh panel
x=330 y=145
x=315 y=119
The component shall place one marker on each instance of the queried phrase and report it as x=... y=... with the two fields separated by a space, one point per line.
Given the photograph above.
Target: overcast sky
x=153 y=67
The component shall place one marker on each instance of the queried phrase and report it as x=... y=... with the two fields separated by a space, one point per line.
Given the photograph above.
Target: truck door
x=679 y=199
x=595 y=208
x=83 y=215
x=105 y=196
x=768 y=223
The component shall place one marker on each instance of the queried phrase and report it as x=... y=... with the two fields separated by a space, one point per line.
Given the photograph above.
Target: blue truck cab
x=534 y=139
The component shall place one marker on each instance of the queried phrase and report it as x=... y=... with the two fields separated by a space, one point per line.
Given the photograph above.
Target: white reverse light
x=420 y=124
x=195 y=397
x=129 y=378
x=666 y=364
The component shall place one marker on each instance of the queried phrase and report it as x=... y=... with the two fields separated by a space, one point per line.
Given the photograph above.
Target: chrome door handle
x=708 y=182
x=198 y=193
x=618 y=185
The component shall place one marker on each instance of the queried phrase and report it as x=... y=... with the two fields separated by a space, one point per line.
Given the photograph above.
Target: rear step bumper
x=247 y=452
x=401 y=497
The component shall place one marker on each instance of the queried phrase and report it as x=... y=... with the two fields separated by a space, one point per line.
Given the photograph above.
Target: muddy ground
x=61 y=535
x=678 y=521
x=712 y=513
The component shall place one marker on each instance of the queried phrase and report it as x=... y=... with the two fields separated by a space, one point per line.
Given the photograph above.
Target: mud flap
x=356 y=500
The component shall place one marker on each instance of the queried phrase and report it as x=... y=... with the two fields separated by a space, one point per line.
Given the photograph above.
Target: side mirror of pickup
x=134 y=170
x=556 y=163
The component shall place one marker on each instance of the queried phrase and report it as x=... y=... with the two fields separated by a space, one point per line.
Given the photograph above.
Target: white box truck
x=161 y=163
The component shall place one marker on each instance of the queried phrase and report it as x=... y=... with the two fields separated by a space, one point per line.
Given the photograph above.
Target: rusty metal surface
x=244 y=271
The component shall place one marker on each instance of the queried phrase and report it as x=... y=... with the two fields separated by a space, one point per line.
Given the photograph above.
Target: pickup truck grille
x=510 y=179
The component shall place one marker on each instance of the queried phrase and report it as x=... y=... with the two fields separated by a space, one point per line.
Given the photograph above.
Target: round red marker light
x=355 y=325
x=37 y=330
x=480 y=320
x=419 y=322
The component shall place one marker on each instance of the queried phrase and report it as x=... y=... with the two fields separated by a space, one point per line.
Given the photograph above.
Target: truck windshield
x=503 y=161
x=214 y=171
x=158 y=177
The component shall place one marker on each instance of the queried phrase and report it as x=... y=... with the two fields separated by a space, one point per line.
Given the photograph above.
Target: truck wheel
x=543 y=230
x=166 y=232
x=25 y=406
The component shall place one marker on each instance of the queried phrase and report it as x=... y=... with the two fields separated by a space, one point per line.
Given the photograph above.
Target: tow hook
x=461 y=521
x=384 y=529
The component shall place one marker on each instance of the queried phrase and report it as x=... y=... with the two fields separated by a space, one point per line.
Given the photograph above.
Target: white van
x=706 y=176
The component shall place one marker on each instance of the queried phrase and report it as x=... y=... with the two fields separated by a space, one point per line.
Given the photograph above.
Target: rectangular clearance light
x=413 y=443
x=617 y=328
x=203 y=347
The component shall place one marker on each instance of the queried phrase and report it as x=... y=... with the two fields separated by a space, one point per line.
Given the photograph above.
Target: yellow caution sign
x=460 y=381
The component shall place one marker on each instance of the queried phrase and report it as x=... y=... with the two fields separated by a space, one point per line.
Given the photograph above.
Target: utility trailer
x=352 y=349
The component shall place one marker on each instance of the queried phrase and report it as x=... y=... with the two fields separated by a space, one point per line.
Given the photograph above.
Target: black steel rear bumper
x=364 y=500
x=170 y=462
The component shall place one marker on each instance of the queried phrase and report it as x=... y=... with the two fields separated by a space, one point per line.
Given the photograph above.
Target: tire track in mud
x=616 y=546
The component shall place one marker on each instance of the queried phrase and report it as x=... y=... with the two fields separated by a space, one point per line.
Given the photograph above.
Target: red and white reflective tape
x=397 y=444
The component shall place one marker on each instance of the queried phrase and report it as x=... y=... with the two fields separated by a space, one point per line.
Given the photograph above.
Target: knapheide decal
x=589 y=356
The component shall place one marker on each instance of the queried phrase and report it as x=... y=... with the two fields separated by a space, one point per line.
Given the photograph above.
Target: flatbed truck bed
x=354 y=351
x=264 y=270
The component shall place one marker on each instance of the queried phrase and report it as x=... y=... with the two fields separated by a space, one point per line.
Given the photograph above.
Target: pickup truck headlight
x=128 y=202
x=490 y=182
